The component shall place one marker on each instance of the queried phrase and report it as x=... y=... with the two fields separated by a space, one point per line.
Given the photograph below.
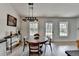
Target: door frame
x=52 y=28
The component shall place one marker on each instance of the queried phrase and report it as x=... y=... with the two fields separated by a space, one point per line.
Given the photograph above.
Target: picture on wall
x=11 y=21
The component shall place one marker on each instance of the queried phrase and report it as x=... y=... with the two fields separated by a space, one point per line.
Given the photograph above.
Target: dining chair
x=34 y=48
x=36 y=37
x=48 y=43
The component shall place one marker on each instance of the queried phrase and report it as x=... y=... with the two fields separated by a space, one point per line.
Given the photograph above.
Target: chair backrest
x=33 y=46
x=36 y=36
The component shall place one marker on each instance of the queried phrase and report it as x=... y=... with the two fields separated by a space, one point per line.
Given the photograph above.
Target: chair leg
x=24 y=44
x=45 y=50
x=24 y=47
x=38 y=54
x=51 y=47
x=29 y=53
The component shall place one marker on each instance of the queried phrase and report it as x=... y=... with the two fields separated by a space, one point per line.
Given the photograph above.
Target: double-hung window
x=49 y=29
x=33 y=29
x=63 y=28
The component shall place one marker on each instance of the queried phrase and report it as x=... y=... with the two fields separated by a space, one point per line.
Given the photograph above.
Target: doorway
x=49 y=29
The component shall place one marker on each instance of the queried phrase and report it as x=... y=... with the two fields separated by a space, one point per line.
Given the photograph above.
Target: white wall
x=3 y=49
x=5 y=9
x=77 y=29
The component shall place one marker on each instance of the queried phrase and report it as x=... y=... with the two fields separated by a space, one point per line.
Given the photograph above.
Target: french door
x=49 y=29
x=33 y=29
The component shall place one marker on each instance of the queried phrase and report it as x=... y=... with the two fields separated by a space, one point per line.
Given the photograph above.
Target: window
x=33 y=28
x=49 y=29
x=63 y=28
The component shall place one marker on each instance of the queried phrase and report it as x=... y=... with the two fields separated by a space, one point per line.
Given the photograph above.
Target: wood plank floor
x=58 y=49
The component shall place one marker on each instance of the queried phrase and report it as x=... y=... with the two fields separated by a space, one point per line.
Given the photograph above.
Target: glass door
x=33 y=29
x=49 y=29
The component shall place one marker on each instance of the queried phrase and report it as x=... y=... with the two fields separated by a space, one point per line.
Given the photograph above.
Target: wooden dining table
x=40 y=41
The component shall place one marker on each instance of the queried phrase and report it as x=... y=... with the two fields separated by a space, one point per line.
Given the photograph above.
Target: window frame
x=67 y=26
x=50 y=22
x=33 y=28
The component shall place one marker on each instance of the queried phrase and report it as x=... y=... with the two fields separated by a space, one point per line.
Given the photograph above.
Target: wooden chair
x=34 y=48
x=36 y=37
x=48 y=43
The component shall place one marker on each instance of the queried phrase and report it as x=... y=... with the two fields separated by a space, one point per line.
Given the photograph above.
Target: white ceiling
x=48 y=9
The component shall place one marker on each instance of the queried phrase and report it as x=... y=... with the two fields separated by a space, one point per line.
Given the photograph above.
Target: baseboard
x=63 y=41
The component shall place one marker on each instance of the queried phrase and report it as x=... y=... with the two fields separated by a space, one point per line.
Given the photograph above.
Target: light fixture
x=30 y=17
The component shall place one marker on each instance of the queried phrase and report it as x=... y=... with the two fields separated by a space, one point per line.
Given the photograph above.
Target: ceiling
x=48 y=9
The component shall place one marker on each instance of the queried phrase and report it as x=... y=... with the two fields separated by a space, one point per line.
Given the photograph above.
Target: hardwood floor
x=58 y=49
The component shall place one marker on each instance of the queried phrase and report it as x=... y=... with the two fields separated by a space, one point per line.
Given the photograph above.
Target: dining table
x=40 y=41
